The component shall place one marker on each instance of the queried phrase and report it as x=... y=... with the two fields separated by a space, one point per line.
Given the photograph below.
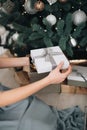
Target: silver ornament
x=28 y=8
x=73 y=42
x=51 y=19
x=15 y=36
x=3 y=37
x=51 y=1
x=2 y=30
x=79 y=17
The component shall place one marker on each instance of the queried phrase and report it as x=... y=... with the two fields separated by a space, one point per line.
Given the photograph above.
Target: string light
x=59 y=18
x=45 y=30
x=25 y=12
x=56 y=28
x=80 y=3
x=60 y=9
x=86 y=48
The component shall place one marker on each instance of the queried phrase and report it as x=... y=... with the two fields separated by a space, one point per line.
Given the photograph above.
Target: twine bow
x=48 y=54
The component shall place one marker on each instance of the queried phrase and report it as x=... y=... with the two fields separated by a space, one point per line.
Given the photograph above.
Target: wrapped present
x=78 y=77
x=46 y=59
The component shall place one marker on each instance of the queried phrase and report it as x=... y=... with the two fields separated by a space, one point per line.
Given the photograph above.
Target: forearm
x=13 y=62
x=18 y=94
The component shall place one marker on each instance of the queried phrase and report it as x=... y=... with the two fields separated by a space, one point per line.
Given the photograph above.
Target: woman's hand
x=56 y=76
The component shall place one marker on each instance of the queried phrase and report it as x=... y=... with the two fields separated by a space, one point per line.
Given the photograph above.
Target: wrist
x=25 y=61
x=48 y=80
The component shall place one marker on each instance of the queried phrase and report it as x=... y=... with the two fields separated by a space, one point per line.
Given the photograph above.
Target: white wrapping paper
x=46 y=59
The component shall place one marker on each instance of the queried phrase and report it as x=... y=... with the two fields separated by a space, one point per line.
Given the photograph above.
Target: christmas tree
x=31 y=24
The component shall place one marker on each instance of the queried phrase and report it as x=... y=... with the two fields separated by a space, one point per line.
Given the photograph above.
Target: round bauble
x=79 y=17
x=28 y=8
x=39 y=5
x=2 y=30
x=51 y=19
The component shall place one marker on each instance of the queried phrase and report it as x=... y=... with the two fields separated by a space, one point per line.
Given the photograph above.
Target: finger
x=60 y=65
x=68 y=71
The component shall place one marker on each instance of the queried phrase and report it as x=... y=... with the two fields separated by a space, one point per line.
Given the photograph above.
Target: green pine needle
x=60 y=27
x=62 y=42
x=48 y=42
x=35 y=36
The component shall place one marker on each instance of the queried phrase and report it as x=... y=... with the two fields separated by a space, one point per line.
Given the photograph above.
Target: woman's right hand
x=56 y=76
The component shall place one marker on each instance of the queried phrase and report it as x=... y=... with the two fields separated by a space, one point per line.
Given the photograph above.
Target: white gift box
x=78 y=77
x=46 y=59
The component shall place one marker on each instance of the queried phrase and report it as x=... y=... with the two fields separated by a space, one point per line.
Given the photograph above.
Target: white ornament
x=73 y=42
x=51 y=1
x=3 y=37
x=28 y=8
x=51 y=19
x=79 y=17
x=2 y=30
x=15 y=36
x=10 y=41
x=2 y=50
